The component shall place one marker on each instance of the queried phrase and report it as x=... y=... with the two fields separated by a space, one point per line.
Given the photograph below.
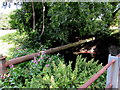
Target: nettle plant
x=50 y=71
x=62 y=76
x=18 y=74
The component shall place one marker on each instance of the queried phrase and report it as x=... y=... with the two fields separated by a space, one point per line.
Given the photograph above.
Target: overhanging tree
x=65 y=22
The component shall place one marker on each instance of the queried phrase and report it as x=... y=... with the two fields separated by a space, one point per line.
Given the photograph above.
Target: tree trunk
x=43 y=20
x=33 y=15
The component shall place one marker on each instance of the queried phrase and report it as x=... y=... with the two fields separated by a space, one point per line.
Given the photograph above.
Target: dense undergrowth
x=47 y=71
x=50 y=71
x=64 y=23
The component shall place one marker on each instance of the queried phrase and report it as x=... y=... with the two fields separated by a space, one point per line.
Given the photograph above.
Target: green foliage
x=22 y=19
x=64 y=21
x=4 y=21
x=14 y=38
x=70 y=20
x=19 y=40
x=25 y=71
x=62 y=75
x=18 y=52
x=52 y=72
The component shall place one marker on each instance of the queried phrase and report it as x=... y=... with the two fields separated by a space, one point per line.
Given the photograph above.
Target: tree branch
x=43 y=19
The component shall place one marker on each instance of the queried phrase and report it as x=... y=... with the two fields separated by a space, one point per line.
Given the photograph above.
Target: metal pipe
x=84 y=52
x=3 y=69
x=94 y=77
x=20 y=59
x=51 y=50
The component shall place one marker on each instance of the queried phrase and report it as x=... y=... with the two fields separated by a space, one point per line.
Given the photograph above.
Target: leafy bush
x=22 y=20
x=64 y=22
x=52 y=72
x=62 y=76
x=19 y=73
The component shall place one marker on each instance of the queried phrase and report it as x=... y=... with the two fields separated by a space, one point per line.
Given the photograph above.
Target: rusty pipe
x=20 y=59
x=24 y=58
x=94 y=77
x=3 y=69
x=51 y=50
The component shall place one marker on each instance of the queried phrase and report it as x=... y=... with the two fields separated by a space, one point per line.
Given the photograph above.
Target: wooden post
x=113 y=72
x=3 y=69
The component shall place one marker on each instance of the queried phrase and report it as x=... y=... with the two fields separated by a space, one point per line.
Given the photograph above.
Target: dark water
x=101 y=54
x=102 y=51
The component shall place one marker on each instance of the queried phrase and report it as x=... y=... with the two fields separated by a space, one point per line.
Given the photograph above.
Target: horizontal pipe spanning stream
x=51 y=50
